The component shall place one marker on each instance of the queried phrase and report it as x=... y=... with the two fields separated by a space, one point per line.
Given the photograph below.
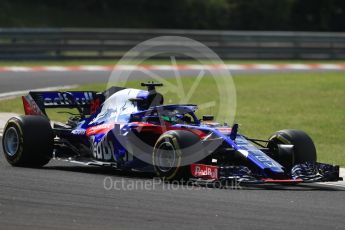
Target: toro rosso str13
x=132 y=129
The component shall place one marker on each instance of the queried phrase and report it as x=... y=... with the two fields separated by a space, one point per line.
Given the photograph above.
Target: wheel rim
x=166 y=157
x=11 y=141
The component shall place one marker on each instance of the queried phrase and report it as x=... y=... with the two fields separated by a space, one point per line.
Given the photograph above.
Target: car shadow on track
x=149 y=176
x=102 y=171
x=299 y=187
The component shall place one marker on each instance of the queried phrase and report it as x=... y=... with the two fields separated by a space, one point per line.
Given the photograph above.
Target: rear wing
x=87 y=102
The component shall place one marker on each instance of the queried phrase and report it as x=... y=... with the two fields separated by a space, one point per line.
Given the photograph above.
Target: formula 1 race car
x=132 y=129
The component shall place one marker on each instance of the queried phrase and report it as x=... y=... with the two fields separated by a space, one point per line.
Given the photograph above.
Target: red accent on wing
x=31 y=108
x=27 y=107
x=94 y=105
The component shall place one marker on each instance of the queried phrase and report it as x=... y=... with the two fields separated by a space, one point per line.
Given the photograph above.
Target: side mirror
x=207 y=117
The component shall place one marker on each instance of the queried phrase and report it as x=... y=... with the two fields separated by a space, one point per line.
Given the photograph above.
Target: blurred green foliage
x=308 y=15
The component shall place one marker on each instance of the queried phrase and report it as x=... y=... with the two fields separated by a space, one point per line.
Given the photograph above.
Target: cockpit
x=172 y=114
x=134 y=105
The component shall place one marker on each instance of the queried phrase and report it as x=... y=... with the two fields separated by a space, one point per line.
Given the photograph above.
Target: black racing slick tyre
x=28 y=141
x=174 y=152
x=303 y=146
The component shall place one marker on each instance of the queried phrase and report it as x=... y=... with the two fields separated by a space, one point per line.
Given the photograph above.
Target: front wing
x=300 y=173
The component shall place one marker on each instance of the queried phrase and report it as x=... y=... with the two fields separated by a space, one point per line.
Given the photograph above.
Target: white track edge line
x=254 y=66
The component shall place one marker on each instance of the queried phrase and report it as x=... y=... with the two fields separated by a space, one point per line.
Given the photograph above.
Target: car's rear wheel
x=28 y=141
x=303 y=147
x=172 y=154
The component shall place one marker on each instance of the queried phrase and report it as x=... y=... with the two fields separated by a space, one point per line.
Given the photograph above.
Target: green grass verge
x=152 y=62
x=313 y=102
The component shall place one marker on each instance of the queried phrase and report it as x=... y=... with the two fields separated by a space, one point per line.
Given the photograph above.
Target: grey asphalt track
x=16 y=81
x=65 y=196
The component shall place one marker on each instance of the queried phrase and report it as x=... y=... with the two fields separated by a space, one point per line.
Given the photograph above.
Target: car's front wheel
x=302 y=151
x=28 y=141
x=173 y=152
